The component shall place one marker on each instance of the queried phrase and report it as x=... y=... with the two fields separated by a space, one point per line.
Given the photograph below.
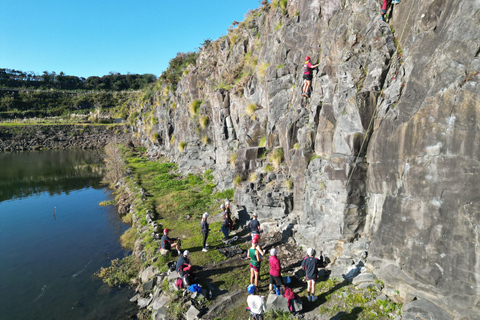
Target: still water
x=54 y=236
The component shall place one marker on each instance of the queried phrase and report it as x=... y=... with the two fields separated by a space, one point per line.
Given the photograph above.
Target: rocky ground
x=358 y=295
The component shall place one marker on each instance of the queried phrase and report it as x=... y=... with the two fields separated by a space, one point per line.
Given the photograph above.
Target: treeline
x=37 y=103
x=10 y=78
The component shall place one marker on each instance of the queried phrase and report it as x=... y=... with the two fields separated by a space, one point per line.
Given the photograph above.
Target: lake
x=54 y=236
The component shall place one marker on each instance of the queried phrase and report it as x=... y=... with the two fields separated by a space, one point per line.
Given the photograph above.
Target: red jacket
x=275 y=268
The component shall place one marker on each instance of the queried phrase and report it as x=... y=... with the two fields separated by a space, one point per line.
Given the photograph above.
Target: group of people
x=255 y=253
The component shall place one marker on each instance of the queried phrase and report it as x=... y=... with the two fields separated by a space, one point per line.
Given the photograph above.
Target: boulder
x=160 y=314
x=192 y=313
x=425 y=310
x=148 y=273
x=160 y=301
x=144 y=302
x=275 y=302
x=148 y=286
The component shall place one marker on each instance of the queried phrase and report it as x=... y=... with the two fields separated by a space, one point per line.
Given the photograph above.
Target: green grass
x=237 y=181
x=194 y=108
x=262 y=141
x=120 y=272
x=225 y=194
x=107 y=203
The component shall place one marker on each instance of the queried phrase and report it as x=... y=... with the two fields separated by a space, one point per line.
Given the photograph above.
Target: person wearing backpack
x=311 y=264
x=204 y=228
x=255 y=254
x=256 y=304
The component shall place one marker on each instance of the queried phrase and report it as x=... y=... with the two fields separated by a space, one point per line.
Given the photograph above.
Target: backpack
x=288 y=294
x=179 y=283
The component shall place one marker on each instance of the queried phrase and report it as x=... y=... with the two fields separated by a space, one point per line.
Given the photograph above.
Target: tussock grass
x=262 y=69
x=181 y=146
x=250 y=109
x=194 y=108
x=277 y=157
x=237 y=181
x=233 y=158
x=204 y=122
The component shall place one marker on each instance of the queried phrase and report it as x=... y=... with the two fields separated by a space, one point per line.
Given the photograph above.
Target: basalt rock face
x=385 y=150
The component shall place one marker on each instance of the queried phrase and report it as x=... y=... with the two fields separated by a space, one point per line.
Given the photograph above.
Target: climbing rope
x=376 y=106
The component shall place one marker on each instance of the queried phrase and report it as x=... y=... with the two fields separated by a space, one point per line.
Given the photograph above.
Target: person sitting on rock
x=254 y=225
x=168 y=243
x=204 y=228
x=183 y=264
x=255 y=254
x=311 y=264
x=225 y=228
x=307 y=76
x=256 y=304
x=275 y=271
x=229 y=214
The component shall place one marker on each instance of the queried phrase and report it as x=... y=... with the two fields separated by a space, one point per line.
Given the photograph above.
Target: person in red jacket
x=275 y=271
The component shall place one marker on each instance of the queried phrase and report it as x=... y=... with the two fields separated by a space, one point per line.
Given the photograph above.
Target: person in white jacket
x=256 y=303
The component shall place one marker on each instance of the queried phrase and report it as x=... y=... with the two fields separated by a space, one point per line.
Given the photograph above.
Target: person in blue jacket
x=311 y=264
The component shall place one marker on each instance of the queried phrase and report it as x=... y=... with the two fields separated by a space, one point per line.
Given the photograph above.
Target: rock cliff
x=383 y=158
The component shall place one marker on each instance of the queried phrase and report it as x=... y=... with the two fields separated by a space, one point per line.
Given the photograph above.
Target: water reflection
x=47 y=263
x=27 y=173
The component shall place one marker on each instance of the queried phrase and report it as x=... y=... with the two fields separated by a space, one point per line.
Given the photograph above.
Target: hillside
x=384 y=153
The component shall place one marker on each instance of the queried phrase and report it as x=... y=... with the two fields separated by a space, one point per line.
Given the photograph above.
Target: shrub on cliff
x=177 y=65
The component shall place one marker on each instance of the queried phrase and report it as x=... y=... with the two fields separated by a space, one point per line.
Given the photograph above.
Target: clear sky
x=94 y=37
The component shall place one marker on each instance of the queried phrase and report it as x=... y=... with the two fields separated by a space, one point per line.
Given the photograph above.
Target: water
x=54 y=236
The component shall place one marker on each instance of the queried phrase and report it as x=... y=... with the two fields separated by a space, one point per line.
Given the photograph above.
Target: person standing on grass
x=204 y=227
x=311 y=264
x=275 y=271
x=225 y=229
x=255 y=254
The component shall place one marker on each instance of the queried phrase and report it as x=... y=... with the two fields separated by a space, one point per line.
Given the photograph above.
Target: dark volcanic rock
x=378 y=168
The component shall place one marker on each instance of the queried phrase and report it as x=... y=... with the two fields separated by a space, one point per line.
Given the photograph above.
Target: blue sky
x=92 y=38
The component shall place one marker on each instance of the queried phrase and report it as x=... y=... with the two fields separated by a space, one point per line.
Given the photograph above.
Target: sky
x=93 y=38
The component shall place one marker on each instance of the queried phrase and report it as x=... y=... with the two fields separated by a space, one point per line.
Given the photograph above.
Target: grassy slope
x=181 y=200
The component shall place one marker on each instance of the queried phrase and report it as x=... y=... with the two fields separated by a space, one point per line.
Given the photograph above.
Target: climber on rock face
x=307 y=76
